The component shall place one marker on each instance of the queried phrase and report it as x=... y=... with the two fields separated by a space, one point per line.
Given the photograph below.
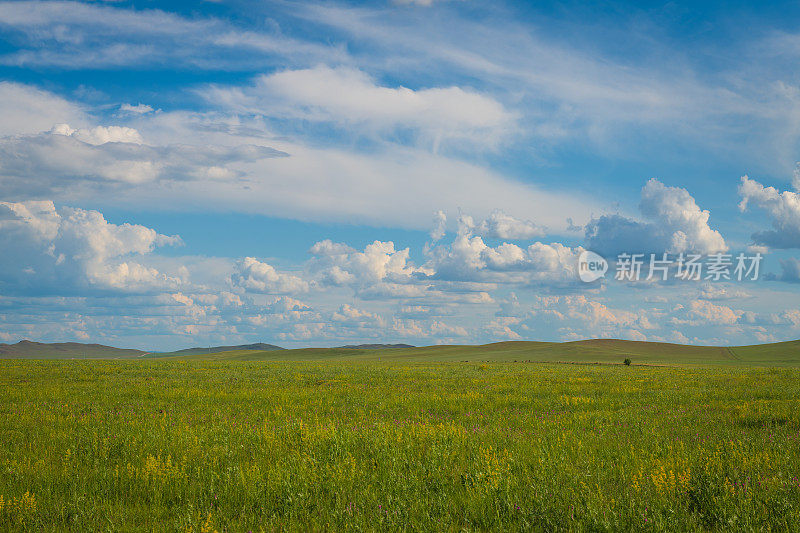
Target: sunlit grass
x=204 y=446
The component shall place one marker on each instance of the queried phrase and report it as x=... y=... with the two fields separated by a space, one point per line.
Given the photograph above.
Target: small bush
x=627 y=361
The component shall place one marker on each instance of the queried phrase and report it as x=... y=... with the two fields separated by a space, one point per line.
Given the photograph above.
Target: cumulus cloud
x=675 y=224
x=499 y=225
x=783 y=209
x=69 y=248
x=442 y=331
x=99 y=134
x=338 y=264
x=351 y=316
x=347 y=96
x=573 y=317
x=469 y=258
x=252 y=275
x=703 y=312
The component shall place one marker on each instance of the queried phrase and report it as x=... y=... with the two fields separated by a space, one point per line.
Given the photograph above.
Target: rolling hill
x=259 y=346
x=585 y=351
x=607 y=351
x=64 y=350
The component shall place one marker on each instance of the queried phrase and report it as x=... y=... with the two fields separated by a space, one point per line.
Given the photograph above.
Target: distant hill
x=64 y=350
x=375 y=346
x=259 y=346
x=607 y=351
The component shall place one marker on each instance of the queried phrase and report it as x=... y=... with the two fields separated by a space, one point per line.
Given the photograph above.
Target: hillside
x=586 y=351
x=259 y=346
x=64 y=350
x=376 y=346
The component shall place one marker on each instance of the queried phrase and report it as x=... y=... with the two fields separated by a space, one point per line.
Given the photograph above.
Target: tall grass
x=193 y=446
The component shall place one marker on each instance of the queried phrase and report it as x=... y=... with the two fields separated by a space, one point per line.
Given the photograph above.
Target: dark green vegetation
x=191 y=445
x=63 y=350
x=376 y=346
x=259 y=346
x=588 y=351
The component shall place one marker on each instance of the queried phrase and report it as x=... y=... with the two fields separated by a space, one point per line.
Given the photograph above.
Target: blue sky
x=429 y=171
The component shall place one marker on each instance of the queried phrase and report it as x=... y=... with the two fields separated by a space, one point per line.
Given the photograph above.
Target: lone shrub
x=627 y=361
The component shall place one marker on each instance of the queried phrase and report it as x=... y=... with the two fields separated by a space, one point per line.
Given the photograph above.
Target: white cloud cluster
x=354 y=317
x=252 y=275
x=441 y=331
x=783 y=209
x=568 y=317
x=379 y=268
x=498 y=225
x=469 y=258
x=675 y=224
x=703 y=312
x=52 y=246
x=99 y=134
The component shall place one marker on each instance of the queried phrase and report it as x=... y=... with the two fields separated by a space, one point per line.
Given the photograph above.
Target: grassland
x=193 y=445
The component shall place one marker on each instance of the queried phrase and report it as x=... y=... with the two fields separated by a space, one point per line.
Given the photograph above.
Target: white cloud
x=469 y=258
x=783 y=209
x=423 y=3
x=253 y=275
x=703 y=312
x=409 y=328
x=677 y=225
x=338 y=264
x=218 y=161
x=499 y=225
x=350 y=316
x=68 y=248
x=77 y=35
x=573 y=317
x=99 y=134
x=348 y=97
x=138 y=109
x=439 y=226
x=83 y=162
x=28 y=110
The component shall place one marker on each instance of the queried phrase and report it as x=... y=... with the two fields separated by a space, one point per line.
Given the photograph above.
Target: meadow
x=204 y=445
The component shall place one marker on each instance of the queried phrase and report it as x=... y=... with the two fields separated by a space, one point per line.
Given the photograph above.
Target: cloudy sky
x=420 y=171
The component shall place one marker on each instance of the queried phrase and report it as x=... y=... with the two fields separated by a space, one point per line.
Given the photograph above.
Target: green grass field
x=399 y=444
